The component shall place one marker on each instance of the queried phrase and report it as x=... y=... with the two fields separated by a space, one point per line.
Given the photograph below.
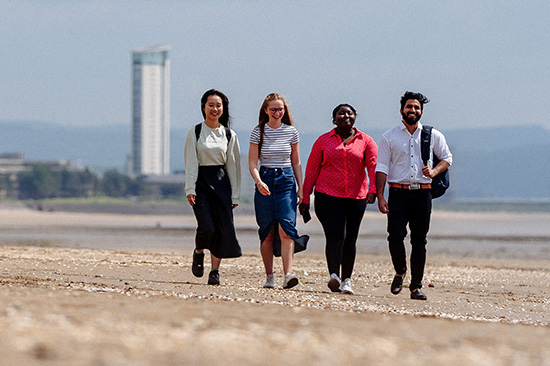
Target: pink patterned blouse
x=339 y=170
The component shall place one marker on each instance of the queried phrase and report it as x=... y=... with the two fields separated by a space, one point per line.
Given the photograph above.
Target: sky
x=481 y=63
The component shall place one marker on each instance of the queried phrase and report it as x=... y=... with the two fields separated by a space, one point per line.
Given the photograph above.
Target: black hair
x=412 y=95
x=335 y=110
x=224 y=120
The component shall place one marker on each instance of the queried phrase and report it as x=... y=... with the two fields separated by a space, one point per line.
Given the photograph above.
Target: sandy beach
x=101 y=289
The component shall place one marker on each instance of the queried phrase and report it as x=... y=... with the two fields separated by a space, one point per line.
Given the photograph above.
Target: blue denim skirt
x=278 y=208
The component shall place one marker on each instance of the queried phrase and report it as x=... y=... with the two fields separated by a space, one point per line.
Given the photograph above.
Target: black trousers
x=412 y=207
x=341 y=219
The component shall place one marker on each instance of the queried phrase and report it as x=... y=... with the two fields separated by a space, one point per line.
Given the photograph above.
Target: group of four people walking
x=344 y=172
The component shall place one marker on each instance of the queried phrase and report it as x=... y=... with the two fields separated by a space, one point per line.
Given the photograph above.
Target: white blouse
x=212 y=149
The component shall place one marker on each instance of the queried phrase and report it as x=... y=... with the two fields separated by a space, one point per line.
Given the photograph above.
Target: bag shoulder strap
x=227 y=133
x=198 y=131
x=425 y=139
x=199 y=127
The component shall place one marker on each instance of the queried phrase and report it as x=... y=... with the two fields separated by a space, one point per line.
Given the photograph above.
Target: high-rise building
x=150 y=111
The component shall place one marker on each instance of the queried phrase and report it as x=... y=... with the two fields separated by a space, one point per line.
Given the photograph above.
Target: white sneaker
x=290 y=280
x=269 y=281
x=346 y=287
x=334 y=283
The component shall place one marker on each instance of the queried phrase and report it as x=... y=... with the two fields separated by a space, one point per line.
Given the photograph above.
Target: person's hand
x=428 y=172
x=383 y=205
x=191 y=199
x=371 y=197
x=263 y=188
x=303 y=207
x=300 y=196
x=304 y=211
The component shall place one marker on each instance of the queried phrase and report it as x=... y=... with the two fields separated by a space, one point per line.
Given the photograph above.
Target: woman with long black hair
x=213 y=183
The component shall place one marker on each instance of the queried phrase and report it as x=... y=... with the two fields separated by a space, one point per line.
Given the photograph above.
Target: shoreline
x=457 y=235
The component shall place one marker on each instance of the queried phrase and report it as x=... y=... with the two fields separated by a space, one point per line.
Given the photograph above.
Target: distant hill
x=506 y=163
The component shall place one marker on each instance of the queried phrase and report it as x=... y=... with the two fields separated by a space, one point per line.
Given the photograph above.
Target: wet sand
x=88 y=290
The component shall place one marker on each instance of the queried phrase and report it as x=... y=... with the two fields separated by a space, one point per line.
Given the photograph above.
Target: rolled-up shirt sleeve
x=440 y=147
x=384 y=154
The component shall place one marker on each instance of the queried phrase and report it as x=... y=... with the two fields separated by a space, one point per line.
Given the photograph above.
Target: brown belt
x=412 y=186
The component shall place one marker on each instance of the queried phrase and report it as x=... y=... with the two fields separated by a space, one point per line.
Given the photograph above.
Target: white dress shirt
x=400 y=157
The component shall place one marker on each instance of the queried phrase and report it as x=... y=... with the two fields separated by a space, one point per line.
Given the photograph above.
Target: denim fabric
x=280 y=205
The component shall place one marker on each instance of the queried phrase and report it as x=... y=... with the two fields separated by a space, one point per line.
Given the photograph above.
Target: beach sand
x=83 y=289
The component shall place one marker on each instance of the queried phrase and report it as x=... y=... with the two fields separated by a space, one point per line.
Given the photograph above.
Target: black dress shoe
x=397 y=284
x=214 y=278
x=198 y=261
x=417 y=294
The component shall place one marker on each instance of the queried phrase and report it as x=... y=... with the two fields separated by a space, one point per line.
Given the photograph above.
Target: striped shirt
x=276 y=146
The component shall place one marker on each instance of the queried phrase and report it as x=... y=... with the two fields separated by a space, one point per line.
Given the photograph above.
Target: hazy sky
x=482 y=63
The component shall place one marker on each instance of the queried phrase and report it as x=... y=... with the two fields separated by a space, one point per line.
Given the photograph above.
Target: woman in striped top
x=274 y=142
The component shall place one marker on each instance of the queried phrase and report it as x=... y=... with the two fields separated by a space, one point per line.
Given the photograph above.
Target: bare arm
x=380 y=185
x=439 y=168
x=253 y=168
x=297 y=169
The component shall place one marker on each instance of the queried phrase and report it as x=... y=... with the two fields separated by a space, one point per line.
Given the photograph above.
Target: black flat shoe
x=397 y=284
x=417 y=294
x=214 y=278
x=198 y=260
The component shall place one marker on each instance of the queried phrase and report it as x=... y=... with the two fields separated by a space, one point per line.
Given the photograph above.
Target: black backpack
x=441 y=182
x=198 y=129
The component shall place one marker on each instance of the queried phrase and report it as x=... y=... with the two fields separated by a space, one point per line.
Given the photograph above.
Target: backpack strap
x=425 y=139
x=199 y=127
x=198 y=131
x=227 y=134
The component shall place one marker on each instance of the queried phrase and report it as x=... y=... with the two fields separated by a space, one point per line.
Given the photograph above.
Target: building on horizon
x=150 y=112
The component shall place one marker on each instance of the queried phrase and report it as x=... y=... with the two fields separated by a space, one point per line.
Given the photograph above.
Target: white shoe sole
x=348 y=292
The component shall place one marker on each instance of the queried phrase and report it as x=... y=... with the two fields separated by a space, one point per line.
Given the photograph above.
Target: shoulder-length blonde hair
x=264 y=117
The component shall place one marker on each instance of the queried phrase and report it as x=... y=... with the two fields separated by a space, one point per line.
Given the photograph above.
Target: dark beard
x=410 y=121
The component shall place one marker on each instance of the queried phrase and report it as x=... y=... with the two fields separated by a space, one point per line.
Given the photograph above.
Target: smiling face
x=275 y=110
x=411 y=112
x=344 y=119
x=213 y=109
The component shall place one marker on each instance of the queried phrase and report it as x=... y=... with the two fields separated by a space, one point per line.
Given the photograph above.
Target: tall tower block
x=150 y=111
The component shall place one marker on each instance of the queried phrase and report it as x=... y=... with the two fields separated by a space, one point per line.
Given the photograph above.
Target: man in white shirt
x=410 y=198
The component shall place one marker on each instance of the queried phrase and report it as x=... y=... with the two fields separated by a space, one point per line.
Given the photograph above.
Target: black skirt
x=215 y=229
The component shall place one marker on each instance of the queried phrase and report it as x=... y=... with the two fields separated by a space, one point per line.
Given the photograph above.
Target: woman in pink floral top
x=336 y=169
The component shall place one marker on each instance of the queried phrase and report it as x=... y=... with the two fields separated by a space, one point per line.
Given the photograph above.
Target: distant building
x=150 y=111
x=14 y=163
